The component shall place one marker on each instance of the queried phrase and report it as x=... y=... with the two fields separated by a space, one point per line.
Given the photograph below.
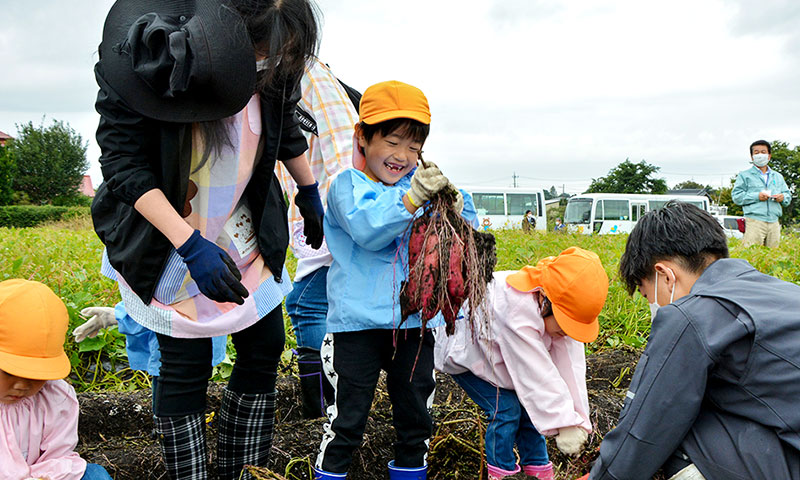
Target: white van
x=611 y=213
x=505 y=207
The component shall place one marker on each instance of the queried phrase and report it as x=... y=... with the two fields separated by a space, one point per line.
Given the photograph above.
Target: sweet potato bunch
x=449 y=263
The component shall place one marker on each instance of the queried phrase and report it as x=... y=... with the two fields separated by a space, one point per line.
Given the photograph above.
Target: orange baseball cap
x=33 y=325
x=577 y=286
x=389 y=100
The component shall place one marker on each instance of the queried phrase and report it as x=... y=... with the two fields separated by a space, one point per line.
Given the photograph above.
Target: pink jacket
x=547 y=373
x=39 y=435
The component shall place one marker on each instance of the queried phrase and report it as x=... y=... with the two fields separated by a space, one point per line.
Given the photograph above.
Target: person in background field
x=197 y=102
x=38 y=410
x=528 y=222
x=528 y=372
x=370 y=208
x=714 y=395
x=328 y=119
x=559 y=227
x=761 y=191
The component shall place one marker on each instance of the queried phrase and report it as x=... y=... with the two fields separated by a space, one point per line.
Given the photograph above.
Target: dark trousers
x=353 y=361
x=186 y=366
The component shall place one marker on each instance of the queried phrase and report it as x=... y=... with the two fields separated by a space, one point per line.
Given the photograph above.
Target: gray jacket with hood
x=719 y=381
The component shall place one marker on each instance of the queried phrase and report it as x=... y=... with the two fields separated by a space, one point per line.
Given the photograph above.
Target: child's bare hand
x=570 y=440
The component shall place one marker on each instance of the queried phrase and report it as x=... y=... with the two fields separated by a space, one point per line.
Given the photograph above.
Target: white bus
x=505 y=207
x=611 y=213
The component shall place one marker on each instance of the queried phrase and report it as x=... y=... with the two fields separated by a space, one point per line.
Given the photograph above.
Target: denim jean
x=95 y=472
x=508 y=424
x=307 y=306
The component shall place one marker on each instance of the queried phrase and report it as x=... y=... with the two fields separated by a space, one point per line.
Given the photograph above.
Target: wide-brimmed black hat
x=178 y=60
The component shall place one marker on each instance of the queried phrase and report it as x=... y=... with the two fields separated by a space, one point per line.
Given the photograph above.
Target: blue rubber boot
x=407 y=473
x=323 y=475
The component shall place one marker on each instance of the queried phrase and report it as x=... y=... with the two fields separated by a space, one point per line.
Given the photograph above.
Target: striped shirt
x=330 y=151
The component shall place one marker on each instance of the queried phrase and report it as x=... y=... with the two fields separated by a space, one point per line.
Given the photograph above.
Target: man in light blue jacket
x=761 y=192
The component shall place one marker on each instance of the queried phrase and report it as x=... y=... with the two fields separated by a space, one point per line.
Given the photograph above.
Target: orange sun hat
x=389 y=100
x=33 y=326
x=576 y=285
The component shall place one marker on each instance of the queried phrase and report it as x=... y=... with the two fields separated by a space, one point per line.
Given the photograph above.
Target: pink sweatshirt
x=547 y=373
x=39 y=435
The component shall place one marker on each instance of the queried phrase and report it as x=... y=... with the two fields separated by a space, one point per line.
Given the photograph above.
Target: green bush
x=73 y=200
x=22 y=216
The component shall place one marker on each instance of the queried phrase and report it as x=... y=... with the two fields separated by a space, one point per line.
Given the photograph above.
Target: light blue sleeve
x=787 y=195
x=372 y=217
x=469 y=213
x=740 y=194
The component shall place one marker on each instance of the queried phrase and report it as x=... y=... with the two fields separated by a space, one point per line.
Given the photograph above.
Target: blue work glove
x=310 y=205
x=212 y=270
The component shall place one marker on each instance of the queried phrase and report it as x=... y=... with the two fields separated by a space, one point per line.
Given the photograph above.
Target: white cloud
x=549 y=90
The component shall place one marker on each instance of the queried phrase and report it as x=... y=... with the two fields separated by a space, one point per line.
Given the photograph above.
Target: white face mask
x=760 y=159
x=654 y=306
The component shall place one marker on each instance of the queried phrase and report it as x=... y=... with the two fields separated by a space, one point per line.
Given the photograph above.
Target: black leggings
x=186 y=366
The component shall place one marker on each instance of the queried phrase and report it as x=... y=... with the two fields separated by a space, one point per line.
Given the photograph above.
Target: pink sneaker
x=542 y=472
x=496 y=473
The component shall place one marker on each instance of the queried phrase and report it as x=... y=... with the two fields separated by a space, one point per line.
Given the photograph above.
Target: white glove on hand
x=570 y=440
x=458 y=205
x=426 y=181
x=101 y=317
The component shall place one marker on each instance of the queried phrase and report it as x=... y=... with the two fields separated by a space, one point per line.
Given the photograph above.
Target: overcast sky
x=558 y=92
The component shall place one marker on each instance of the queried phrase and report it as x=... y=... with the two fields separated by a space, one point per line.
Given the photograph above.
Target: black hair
x=527 y=212
x=286 y=32
x=405 y=127
x=761 y=142
x=680 y=232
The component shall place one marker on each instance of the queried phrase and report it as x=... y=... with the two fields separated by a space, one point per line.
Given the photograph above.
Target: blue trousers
x=307 y=306
x=509 y=424
x=95 y=472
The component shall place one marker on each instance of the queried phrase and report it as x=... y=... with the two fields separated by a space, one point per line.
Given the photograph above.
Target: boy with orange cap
x=528 y=370
x=38 y=410
x=370 y=209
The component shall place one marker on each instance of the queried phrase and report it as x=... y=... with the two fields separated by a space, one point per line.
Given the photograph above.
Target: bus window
x=519 y=203
x=614 y=210
x=489 y=203
x=656 y=204
x=578 y=210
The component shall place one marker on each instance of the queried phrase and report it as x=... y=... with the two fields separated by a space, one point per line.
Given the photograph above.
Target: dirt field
x=115 y=430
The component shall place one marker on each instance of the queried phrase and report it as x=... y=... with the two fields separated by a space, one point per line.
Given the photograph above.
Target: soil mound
x=115 y=429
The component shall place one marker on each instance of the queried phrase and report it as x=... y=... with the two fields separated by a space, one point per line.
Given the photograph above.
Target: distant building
x=86 y=187
x=4 y=138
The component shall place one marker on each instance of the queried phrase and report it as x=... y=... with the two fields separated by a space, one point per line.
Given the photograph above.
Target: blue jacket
x=719 y=379
x=365 y=225
x=747 y=187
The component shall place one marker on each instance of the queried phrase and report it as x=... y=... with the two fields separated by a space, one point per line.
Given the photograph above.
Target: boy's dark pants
x=353 y=361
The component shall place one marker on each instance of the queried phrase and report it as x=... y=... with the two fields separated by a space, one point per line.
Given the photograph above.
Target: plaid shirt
x=329 y=152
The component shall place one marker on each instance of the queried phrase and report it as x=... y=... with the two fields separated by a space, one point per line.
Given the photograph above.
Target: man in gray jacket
x=715 y=394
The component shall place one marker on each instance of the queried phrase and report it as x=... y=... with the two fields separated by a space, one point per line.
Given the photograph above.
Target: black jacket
x=139 y=154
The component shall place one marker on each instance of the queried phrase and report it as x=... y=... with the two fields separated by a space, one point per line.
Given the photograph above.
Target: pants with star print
x=352 y=362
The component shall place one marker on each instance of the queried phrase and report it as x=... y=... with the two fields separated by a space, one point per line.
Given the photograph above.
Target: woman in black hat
x=190 y=211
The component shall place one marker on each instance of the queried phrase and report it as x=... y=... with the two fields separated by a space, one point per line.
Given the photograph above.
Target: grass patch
x=66 y=257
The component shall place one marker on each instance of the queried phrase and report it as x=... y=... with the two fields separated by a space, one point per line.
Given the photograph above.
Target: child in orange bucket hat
x=38 y=410
x=528 y=370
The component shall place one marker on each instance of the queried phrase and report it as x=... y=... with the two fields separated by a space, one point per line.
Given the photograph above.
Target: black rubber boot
x=244 y=435
x=315 y=390
x=183 y=446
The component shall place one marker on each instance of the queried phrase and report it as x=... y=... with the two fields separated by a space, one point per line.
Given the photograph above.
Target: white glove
x=458 y=205
x=570 y=440
x=101 y=317
x=426 y=181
